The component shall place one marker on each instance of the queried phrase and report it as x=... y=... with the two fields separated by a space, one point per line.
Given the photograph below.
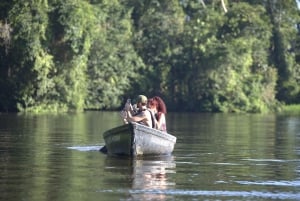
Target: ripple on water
x=271 y=160
x=271 y=183
x=216 y=193
x=85 y=148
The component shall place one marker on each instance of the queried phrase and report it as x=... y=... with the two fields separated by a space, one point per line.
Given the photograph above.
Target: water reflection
x=216 y=157
x=149 y=177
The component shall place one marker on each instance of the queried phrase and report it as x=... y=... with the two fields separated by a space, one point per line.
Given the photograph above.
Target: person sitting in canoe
x=158 y=108
x=142 y=116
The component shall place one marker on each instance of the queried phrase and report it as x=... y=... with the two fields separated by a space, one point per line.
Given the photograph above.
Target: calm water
x=217 y=157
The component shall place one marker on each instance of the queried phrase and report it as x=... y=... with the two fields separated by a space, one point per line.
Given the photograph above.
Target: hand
x=124 y=114
x=135 y=108
x=128 y=107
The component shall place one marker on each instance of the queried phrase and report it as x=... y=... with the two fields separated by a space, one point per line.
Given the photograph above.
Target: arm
x=137 y=118
x=143 y=118
x=162 y=122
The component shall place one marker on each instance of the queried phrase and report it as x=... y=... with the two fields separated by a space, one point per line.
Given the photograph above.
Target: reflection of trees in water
x=148 y=175
x=118 y=170
x=151 y=177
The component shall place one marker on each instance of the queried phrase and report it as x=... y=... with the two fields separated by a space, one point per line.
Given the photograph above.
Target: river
x=216 y=157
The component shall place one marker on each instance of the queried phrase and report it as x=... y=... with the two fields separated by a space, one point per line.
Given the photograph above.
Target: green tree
x=47 y=59
x=114 y=65
x=225 y=64
x=74 y=29
x=30 y=63
x=157 y=26
x=212 y=55
x=284 y=16
x=7 y=91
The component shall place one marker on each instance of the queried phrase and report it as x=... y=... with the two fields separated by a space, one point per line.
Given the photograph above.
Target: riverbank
x=291 y=109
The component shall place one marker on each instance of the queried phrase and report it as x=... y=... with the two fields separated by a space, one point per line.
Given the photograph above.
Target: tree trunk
x=224 y=6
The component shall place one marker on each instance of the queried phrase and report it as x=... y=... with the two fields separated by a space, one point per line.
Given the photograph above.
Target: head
x=152 y=104
x=161 y=107
x=142 y=100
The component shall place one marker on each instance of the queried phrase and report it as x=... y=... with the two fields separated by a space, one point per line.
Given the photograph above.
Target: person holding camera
x=142 y=115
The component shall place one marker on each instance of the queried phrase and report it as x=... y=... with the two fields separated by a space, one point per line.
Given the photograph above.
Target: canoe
x=135 y=139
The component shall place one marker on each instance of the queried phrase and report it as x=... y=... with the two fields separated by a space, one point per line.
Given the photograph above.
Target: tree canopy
x=202 y=56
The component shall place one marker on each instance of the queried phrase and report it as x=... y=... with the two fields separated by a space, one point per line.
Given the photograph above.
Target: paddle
x=103 y=149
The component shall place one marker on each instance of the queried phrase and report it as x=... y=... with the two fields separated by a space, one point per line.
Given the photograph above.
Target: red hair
x=160 y=105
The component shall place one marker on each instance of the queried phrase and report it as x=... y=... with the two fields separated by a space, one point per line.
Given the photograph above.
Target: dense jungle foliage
x=198 y=55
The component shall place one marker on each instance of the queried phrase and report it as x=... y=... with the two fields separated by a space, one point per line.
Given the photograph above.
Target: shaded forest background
x=198 y=55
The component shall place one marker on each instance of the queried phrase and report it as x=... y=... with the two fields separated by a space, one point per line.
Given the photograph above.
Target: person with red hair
x=158 y=108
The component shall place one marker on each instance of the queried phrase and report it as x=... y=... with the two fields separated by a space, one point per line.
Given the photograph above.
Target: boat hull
x=135 y=139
